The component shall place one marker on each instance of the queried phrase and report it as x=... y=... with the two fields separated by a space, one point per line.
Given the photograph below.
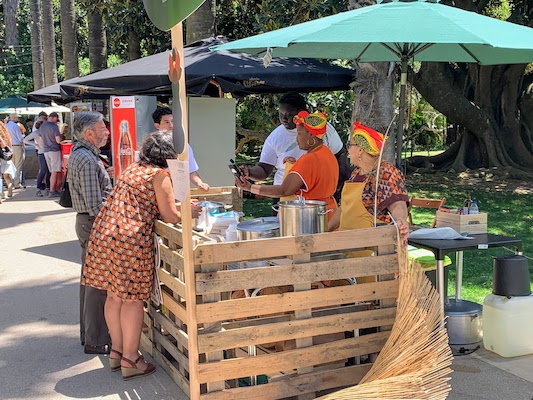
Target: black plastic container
x=510 y=276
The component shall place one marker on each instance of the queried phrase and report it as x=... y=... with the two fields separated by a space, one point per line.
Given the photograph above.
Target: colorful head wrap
x=315 y=123
x=368 y=139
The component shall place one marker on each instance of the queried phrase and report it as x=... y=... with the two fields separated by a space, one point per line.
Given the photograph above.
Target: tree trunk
x=134 y=45
x=36 y=45
x=49 y=44
x=374 y=95
x=97 y=41
x=10 y=21
x=68 y=39
x=201 y=23
x=491 y=135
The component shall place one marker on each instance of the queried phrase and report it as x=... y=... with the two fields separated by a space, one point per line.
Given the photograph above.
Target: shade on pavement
x=399 y=31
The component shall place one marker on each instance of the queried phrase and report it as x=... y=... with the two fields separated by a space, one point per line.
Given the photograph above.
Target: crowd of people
x=115 y=216
x=46 y=137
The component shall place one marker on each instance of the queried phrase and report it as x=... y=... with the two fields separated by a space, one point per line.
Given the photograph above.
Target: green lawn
x=510 y=212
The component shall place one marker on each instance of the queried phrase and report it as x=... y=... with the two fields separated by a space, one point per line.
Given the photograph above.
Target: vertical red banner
x=123 y=131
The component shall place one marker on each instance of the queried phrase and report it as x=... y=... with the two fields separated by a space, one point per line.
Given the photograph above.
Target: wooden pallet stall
x=293 y=334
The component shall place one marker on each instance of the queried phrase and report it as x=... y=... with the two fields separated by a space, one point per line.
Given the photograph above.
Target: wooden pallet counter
x=299 y=339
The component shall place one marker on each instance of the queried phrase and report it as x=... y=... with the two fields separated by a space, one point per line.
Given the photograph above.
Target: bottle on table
x=474 y=209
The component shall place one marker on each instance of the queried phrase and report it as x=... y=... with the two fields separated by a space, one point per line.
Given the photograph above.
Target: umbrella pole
x=401 y=118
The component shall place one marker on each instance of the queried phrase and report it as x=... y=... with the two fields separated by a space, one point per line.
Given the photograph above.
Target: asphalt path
x=41 y=356
x=40 y=353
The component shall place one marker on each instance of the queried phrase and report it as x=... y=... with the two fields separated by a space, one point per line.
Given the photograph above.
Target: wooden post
x=186 y=222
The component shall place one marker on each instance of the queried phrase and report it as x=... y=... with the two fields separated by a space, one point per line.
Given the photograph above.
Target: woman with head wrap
x=360 y=192
x=314 y=175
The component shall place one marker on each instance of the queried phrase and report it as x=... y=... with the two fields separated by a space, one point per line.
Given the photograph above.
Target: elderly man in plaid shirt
x=89 y=184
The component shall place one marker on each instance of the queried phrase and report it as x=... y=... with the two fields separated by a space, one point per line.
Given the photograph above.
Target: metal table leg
x=440 y=281
x=458 y=274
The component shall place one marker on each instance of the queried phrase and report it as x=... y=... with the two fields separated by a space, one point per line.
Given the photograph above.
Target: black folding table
x=441 y=247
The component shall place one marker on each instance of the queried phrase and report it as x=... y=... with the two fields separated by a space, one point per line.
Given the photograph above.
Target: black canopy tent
x=206 y=73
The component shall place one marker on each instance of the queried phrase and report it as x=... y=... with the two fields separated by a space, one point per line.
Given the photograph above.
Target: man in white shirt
x=164 y=121
x=281 y=143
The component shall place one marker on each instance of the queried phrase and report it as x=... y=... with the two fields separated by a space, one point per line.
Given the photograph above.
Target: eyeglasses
x=348 y=145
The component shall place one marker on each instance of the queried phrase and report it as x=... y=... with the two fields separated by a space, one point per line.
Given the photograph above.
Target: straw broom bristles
x=415 y=361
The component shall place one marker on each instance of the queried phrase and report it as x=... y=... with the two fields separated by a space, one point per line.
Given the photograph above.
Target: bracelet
x=255 y=189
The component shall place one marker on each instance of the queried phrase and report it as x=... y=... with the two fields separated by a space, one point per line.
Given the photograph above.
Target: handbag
x=64 y=199
x=6 y=153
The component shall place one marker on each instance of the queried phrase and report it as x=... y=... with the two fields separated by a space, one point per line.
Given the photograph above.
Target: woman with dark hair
x=120 y=253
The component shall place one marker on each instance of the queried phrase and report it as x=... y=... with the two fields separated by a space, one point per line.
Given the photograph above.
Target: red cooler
x=66 y=147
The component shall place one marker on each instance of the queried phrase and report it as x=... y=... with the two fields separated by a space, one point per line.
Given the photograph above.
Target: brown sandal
x=134 y=372
x=114 y=363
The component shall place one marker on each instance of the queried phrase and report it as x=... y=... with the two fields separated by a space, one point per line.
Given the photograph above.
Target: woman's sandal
x=134 y=372
x=114 y=363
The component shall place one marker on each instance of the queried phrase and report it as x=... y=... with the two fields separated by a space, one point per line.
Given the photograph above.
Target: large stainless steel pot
x=258 y=228
x=302 y=217
x=464 y=325
x=208 y=207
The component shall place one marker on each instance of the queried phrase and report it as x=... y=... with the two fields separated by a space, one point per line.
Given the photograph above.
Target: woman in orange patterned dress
x=120 y=253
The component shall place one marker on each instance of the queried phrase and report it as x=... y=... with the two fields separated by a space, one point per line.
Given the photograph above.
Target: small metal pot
x=302 y=217
x=258 y=228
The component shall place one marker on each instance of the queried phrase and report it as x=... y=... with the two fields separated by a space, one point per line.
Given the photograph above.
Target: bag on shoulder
x=65 y=200
x=6 y=153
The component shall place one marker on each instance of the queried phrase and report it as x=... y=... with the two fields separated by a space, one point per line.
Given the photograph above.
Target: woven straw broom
x=415 y=361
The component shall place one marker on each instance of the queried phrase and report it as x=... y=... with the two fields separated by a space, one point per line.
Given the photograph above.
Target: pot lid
x=462 y=308
x=302 y=203
x=259 y=224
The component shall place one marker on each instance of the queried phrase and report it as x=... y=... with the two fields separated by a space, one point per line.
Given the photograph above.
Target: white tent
x=35 y=110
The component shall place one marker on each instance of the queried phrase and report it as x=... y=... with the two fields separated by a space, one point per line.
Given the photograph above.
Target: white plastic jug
x=508 y=325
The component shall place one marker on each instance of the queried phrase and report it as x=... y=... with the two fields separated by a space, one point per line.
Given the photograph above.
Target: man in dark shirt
x=51 y=137
x=89 y=184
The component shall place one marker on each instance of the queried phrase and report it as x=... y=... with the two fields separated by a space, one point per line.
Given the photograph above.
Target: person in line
x=280 y=149
x=7 y=167
x=89 y=184
x=358 y=195
x=43 y=178
x=120 y=253
x=164 y=121
x=314 y=175
x=17 y=144
x=43 y=116
x=51 y=138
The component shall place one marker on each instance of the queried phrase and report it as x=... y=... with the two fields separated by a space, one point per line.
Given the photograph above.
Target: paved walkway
x=40 y=353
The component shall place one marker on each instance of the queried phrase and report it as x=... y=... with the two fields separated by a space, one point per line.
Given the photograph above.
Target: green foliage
x=500 y=9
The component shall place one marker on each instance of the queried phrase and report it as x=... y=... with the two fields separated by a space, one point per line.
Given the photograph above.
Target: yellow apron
x=355 y=216
x=288 y=167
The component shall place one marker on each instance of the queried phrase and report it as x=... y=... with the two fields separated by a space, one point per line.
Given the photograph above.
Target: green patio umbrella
x=14 y=103
x=399 y=31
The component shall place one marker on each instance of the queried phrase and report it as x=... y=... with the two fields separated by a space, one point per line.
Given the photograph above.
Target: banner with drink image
x=123 y=132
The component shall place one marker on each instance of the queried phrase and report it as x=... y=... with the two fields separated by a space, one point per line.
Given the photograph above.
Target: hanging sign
x=167 y=13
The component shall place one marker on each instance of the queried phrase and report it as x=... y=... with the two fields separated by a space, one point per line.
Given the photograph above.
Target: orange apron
x=288 y=167
x=355 y=216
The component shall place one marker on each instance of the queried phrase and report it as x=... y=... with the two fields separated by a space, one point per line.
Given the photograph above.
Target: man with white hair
x=17 y=141
x=89 y=184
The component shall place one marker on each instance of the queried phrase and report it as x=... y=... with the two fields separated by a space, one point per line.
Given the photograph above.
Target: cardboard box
x=470 y=223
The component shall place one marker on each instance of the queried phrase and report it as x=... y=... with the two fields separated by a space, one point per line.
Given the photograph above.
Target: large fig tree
x=492 y=106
